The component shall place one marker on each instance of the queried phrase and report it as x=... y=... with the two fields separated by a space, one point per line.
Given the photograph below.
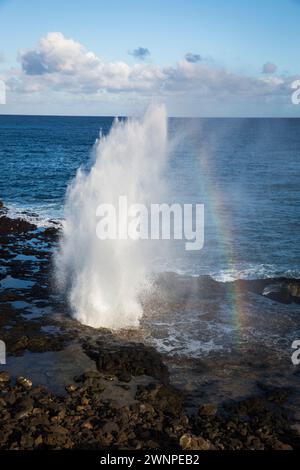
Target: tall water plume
x=104 y=279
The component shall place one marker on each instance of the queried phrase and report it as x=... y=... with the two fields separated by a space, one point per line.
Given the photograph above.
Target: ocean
x=236 y=298
x=245 y=172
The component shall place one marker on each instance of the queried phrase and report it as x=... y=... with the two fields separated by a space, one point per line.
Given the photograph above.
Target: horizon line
x=128 y=116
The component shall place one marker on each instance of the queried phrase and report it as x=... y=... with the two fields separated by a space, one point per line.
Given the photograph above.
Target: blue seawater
x=245 y=171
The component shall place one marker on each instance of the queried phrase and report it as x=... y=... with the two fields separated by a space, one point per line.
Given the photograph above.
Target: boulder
x=191 y=442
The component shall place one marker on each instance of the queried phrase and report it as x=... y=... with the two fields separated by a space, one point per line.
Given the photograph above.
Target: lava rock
x=24 y=382
x=4 y=377
x=132 y=358
x=277 y=292
x=8 y=225
x=190 y=442
x=24 y=408
x=208 y=409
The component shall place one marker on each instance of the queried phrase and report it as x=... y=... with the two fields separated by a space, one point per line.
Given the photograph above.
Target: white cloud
x=59 y=64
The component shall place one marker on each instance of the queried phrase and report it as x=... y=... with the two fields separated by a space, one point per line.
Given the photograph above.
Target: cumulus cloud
x=140 y=53
x=59 y=64
x=55 y=53
x=269 y=68
x=193 y=58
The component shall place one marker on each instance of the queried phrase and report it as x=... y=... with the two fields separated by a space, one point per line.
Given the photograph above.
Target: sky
x=199 y=57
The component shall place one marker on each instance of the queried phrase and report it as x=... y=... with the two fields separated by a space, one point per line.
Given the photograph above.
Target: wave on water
x=40 y=216
x=254 y=271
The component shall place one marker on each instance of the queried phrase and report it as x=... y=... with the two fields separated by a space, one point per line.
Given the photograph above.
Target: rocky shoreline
x=154 y=417
x=123 y=396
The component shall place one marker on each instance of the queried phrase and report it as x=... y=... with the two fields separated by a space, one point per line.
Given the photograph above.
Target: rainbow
x=225 y=236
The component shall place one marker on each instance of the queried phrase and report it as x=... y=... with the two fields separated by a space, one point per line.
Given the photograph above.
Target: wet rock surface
x=125 y=360
x=69 y=386
x=154 y=417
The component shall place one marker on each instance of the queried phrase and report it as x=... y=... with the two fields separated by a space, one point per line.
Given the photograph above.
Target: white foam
x=253 y=271
x=41 y=217
x=105 y=278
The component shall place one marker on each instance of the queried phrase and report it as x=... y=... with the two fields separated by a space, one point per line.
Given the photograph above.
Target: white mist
x=104 y=279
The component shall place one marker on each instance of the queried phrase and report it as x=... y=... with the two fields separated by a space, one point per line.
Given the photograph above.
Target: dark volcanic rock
x=278 y=292
x=88 y=418
x=256 y=423
x=24 y=407
x=8 y=225
x=4 y=377
x=282 y=290
x=128 y=359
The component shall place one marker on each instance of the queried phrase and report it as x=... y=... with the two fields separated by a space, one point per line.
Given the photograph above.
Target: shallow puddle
x=54 y=369
x=10 y=282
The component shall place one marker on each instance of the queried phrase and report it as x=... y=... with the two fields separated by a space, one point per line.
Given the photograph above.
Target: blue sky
x=233 y=38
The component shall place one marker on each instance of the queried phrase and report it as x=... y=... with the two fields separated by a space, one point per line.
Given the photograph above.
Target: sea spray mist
x=104 y=279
